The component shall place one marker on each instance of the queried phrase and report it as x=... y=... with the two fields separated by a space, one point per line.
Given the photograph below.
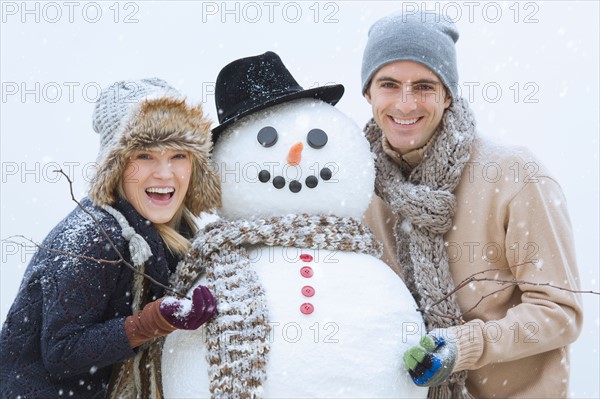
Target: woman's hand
x=186 y=314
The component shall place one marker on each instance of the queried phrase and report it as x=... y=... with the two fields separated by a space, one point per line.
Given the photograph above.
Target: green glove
x=432 y=361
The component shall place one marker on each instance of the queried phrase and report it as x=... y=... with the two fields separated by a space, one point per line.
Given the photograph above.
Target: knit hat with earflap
x=149 y=114
x=424 y=37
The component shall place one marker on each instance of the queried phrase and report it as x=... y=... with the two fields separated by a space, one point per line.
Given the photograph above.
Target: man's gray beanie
x=426 y=38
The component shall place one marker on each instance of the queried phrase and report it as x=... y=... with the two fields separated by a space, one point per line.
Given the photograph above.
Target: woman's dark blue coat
x=65 y=329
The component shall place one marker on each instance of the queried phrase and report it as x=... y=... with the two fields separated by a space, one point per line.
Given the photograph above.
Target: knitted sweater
x=511 y=222
x=66 y=327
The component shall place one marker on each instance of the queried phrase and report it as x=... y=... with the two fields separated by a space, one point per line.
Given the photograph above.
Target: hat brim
x=330 y=94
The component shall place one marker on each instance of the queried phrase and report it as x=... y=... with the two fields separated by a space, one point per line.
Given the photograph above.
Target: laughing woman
x=82 y=321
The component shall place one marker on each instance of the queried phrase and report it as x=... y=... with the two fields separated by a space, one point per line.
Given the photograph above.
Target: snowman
x=305 y=307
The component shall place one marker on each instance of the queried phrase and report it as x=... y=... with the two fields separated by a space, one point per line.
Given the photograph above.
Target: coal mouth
x=295 y=186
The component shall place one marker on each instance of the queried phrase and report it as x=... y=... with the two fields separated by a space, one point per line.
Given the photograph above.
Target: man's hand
x=431 y=362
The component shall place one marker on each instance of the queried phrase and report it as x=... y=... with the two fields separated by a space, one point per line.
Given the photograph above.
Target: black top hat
x=250 y=84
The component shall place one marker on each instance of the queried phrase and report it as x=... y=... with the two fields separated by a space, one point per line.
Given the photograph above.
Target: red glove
x=188 y=314
x=168 y=314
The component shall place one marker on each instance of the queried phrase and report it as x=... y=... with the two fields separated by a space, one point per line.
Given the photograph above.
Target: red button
x=306 y=258
x=308 y=291
x=306 y=271
x=307 y=308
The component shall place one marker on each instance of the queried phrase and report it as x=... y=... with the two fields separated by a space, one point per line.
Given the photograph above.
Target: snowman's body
x=349 y=345
x=340 y=321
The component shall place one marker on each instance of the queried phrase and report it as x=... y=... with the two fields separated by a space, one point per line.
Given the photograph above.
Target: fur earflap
x=156 y=124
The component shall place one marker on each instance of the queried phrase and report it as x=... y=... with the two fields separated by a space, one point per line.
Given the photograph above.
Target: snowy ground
x=529 y=69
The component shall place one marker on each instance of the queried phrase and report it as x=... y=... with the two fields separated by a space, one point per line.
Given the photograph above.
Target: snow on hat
x=149 y=114
x=423 y=37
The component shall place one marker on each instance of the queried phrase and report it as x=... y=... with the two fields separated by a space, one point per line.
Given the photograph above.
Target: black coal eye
x=316 y=138
x=267 y=136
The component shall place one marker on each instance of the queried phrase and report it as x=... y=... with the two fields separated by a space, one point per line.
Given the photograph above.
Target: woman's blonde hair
x=169 y=232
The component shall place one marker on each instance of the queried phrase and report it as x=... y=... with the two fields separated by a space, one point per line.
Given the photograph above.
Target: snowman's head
x=302 y=156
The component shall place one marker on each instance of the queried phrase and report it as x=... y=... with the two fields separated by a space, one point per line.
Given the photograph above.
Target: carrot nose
x=295 y=154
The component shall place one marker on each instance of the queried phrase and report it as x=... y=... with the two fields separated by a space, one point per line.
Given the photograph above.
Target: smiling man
x=408 y=102
x=446 y=219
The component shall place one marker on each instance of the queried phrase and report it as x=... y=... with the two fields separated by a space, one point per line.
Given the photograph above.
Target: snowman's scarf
x=237 y=337
x=424 y=203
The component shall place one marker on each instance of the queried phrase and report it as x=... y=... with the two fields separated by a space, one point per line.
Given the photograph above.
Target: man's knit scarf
x=424 y=203
x=237 y=337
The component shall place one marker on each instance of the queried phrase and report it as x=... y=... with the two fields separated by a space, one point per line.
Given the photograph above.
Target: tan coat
x=512 y=222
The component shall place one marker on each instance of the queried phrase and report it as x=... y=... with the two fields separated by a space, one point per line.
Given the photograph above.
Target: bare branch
x=459 y=319
x=506 y=284
x=469 y=280
x=57 y=251
x=486 y=296
x=523 y=282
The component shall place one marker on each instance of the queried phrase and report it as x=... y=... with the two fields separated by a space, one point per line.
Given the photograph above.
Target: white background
x=533 y=70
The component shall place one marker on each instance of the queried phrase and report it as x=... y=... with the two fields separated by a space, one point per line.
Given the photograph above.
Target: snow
x=184 y=306
x=239 y=156
x=338 y=335
x=100 y=53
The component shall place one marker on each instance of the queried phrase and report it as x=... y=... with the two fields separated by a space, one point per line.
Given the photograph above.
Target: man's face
x=408 y=101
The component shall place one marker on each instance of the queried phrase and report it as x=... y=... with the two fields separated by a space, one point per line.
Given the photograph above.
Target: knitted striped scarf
x=424 y=203
x=237 y=337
